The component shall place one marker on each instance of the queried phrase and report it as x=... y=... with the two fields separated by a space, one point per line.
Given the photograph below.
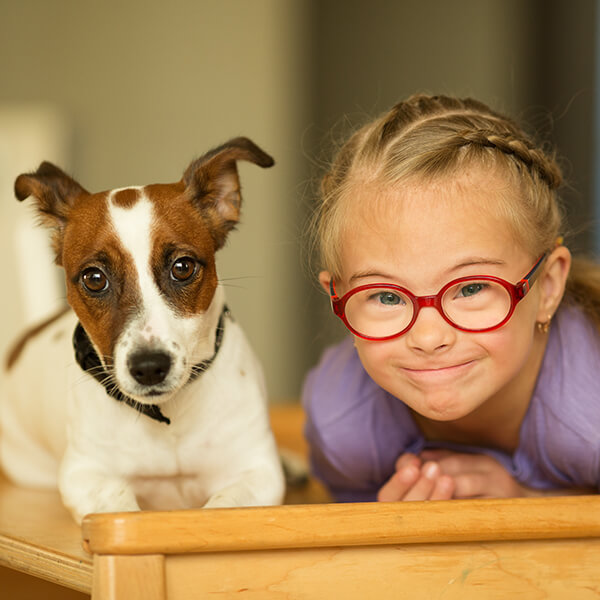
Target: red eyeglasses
x=382 y=311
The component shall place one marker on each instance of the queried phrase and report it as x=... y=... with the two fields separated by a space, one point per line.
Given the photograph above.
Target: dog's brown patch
x=91 y=242
x=125 y=198
x=181 y=231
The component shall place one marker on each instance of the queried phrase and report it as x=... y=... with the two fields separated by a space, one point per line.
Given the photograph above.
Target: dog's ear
x=54 y=192
x=214 y=186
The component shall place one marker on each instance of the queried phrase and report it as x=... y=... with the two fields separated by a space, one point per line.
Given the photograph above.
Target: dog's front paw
x=262 y=487
x=106 y=495
x=235 y=495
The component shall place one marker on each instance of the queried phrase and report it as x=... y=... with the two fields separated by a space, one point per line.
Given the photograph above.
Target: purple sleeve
x=355 y=430
x=325 y=464
x=560 y=439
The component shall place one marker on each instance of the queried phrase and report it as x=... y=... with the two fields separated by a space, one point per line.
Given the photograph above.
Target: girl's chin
x=442 y=406
x=440 y=411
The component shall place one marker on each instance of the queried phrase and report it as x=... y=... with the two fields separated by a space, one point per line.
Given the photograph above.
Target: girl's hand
x=476 y=475
x=416 y=480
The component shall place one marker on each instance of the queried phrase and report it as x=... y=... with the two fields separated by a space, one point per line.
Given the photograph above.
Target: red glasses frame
x=517 y=292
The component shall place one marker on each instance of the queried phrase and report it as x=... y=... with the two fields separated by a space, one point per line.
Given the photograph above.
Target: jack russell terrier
x=146 y=395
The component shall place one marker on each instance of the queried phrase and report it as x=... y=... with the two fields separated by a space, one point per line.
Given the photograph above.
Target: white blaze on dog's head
x=172 y=277
x=139 y=264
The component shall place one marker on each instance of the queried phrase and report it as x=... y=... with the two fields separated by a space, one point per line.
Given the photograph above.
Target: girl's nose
x=430 y=333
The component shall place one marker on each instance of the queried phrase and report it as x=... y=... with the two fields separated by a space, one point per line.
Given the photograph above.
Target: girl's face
x=421 y=238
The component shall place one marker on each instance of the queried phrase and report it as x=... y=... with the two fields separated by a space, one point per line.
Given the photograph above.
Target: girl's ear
x=552 y=282
x=324 y=279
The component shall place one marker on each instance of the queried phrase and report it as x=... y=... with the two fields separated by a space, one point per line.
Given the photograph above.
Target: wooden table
x=537 y=548
x=39 y=538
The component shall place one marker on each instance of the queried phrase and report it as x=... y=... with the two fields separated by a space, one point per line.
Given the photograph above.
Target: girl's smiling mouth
x=439 y=374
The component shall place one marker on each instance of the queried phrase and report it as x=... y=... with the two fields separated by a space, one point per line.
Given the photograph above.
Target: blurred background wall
x=129 y=92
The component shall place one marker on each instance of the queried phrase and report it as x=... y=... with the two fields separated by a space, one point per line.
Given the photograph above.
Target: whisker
x=198 y=369
x=232 y=286
x=226 y=281
x=240 y=277
x=99 y=370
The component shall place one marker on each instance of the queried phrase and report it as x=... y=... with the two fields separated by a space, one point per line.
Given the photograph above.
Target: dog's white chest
x=204 y=448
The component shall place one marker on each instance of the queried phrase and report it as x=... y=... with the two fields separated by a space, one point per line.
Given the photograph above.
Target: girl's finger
x=443 y=488
x=456 y=464
x=425 y=485
x=408 y=459
x=398 y=484
x=471 y=485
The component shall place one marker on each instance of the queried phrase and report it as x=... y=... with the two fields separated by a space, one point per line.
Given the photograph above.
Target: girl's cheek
x=378 y=354
x=507 y=346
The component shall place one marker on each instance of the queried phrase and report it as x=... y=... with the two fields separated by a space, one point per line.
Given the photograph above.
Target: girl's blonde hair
x=428 y=137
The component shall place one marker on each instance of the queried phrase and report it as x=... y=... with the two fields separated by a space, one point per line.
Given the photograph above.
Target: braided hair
x=430 y=137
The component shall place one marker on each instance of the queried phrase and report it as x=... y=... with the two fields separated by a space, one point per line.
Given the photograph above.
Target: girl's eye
x=183 y=269
x=471 y=289
x=94 y=280
x=389 y=298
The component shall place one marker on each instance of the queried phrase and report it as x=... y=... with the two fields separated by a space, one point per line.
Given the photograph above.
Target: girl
x=472 y=369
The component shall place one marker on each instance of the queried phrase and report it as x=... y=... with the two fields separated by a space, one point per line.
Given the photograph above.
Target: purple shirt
x=357 y=430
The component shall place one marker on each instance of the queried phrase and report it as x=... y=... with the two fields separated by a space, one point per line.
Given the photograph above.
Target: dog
x=144 y=393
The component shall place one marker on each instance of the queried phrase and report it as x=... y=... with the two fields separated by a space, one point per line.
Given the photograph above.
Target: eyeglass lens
x=470 y=304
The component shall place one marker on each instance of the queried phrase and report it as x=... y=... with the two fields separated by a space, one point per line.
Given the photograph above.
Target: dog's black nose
x=149 y=368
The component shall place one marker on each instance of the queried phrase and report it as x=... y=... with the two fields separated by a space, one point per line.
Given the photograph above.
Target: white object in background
x=40 y=289
x=32 y=285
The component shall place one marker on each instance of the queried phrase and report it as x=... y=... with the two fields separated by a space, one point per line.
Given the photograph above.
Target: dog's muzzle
x=147 y=367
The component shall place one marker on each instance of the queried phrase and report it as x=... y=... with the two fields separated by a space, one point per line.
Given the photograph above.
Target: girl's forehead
x=429 y=226
x=481 y=190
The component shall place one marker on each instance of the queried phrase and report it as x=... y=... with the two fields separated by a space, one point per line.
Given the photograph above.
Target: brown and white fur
x=141 y=279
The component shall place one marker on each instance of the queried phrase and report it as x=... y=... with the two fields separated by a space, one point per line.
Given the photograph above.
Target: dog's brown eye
x=183 y=268
x=94 y=280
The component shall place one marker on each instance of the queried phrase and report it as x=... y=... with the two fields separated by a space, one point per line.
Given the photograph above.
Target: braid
x=467 y=122
x=418 y=108
x=521 y=149
x=433 y=136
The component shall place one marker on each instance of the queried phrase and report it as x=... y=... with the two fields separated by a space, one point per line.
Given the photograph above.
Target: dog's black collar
x=87 y=358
